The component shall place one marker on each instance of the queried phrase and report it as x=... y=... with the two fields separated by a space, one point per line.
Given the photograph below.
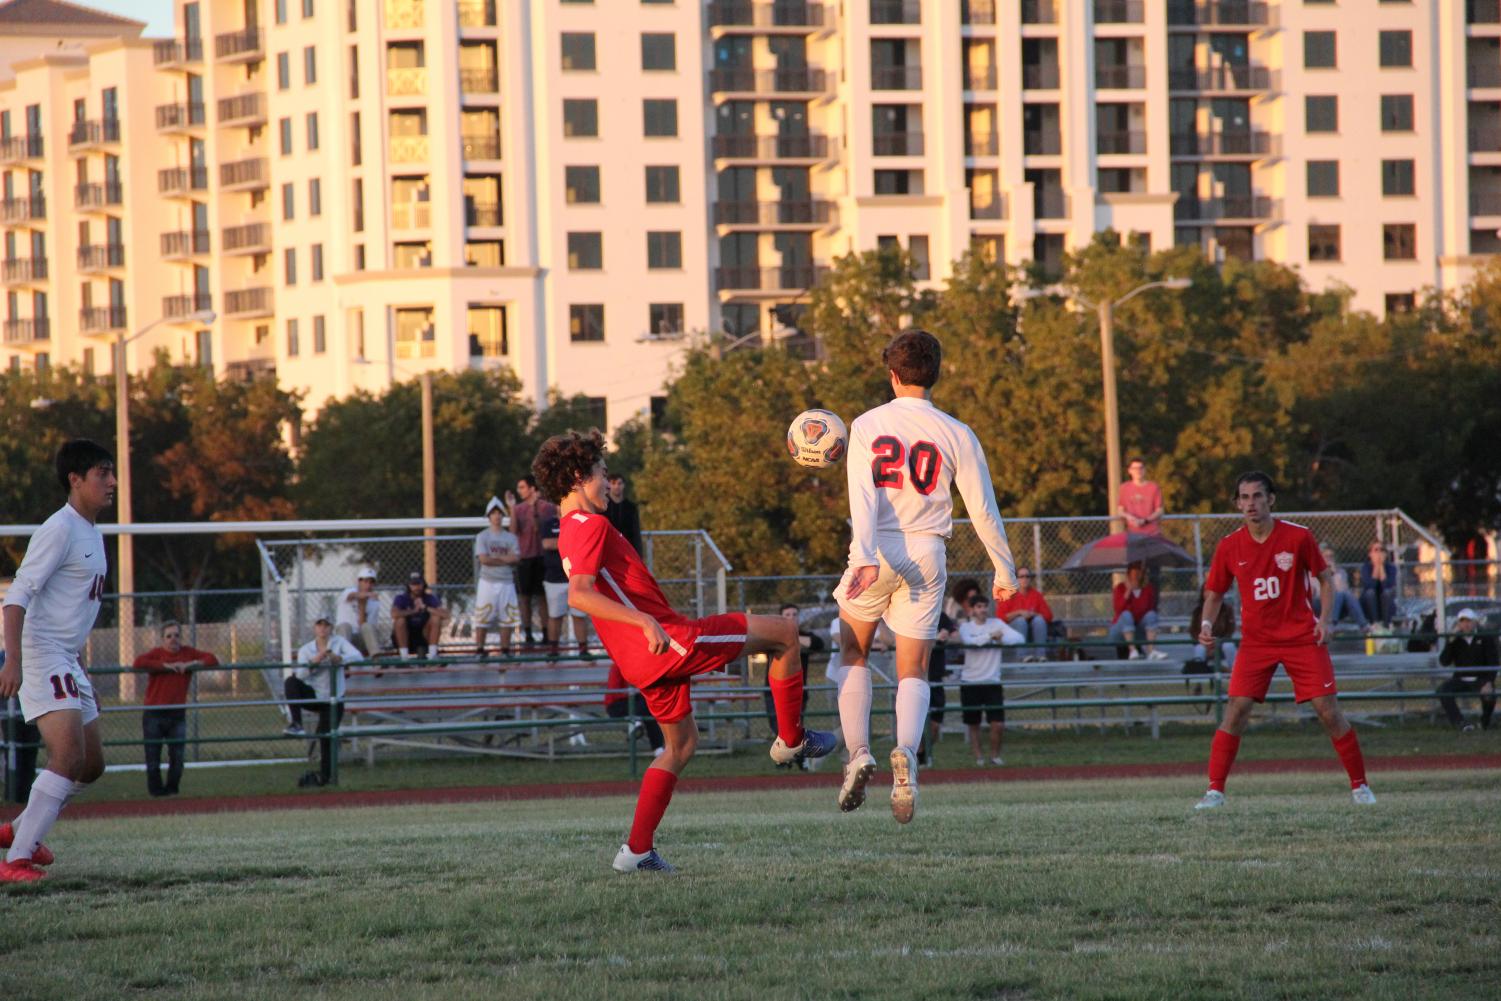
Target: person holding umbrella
x=1135 y=603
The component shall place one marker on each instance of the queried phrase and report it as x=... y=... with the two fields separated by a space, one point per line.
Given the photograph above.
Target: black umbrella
x=1124 y=548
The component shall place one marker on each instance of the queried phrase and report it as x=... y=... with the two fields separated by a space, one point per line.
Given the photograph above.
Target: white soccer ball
x=817 y=438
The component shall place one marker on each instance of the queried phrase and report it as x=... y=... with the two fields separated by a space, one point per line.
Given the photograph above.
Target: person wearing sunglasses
x=164 y=722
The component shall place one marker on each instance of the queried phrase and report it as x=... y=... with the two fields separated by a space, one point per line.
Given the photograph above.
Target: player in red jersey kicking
x=657 y=649
x=1272 y=562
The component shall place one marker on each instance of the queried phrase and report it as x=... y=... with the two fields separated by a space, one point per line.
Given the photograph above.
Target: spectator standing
x=1345 y=602
x=528 y=515
x=165 y=718
x=938 y=670
x=1027 y=612
x=555 y=586
x=624 y=514
x=1135 y=622
x=980 y=692
x=1141 y=501
x=1378 y=585
x=417 y=618
x=808 y=644
x=358 y=612
x=1468 y=652
x=318 y=677
x=496 y=552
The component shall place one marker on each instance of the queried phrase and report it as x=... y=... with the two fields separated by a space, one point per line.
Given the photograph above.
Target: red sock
x=1221 y=757
x=787 y=696
x=656 y=792
x=1348 y=748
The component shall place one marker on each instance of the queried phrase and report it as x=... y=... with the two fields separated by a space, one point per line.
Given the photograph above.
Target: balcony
x=1119 y=12
x=1485 y=140
x=248 y=303
x=85 y=135
x=252 y=238
x=24 y=270
x=896 y=78
x=778 y=14
x=408 y=149
x=799 y=147
x=175 y=53
x=1483 y=12
x=1049 y=203
x=406 y=81
x=773 y=215
x=1483 y=75
x=993 y=209
x=897 y=144
x=788 y=277
x=18 y=149
x=1040 y=76
x=180 y=181
x=246 y=46
x=250 y=369
x=1486 y=203
x=1120 y=77
x=1250 y=208
x=95 y=195
x=1130 y=142
x=980 y=79
x=895 y=12
x=404 y=14
x=245 y=175
x=1225 y=144
x=184 y=243
x=96 y=257
x=1240 y=15
x=482 y=214
x=243 y=109
x=179 y=118
x=977 y=12
x=477 y=14
x=798 y=80
x=102 y=319
x=1227 y=79
x=177 y=307
x=485 y=80
x=1039 y=12
x=411 y=215
x=481 y=147
x=31 y=331
x=983 y=144
x=1042 y=142
x=23 y=209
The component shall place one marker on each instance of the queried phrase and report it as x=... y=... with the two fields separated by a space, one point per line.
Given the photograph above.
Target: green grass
x=1065 y=890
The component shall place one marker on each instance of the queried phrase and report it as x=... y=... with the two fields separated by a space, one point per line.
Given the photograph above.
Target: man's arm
x=14 y=617
x=1212 y=602
x=972 y=476
x=150 y=662
x=583 y=596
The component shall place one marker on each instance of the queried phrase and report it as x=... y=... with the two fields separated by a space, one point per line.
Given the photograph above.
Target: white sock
x=405 y=653
x=854 y=708
x=48 y=794
x=911 y=711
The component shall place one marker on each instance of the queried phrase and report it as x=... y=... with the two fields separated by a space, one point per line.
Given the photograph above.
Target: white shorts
x=557 y=601
x=908 y=592
x=51 y=685
x=495 y=605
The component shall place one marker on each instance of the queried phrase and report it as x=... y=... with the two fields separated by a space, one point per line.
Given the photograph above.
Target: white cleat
x=903 y=785
x=1211 y=799
x=647 y=861
x=856 y=774
x=1362 y=794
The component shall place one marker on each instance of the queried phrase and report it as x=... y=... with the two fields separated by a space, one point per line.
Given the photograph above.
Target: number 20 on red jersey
x=891 y=455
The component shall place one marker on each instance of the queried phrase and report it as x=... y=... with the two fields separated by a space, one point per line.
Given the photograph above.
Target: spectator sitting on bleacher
x=417 y=618
x=1345 y=602
x=956 y=605
x=1467 y=651
x=1378 y=586
x=359 y=608
x=1197 y=664
x=1027 y=612
x=1135 y=614
x=317 y=678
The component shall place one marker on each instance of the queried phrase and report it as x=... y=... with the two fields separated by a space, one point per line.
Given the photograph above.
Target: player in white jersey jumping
x=904 y=457
x=49 y=611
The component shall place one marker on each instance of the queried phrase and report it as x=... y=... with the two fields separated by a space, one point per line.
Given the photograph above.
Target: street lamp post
x=429 y=487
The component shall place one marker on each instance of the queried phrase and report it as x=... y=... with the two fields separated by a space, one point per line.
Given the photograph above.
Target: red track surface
x=325 y=799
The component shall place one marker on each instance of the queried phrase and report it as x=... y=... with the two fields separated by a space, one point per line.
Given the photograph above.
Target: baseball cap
x=415 y=577
x=1467 y=613
x=494 y=503
x=366 y=573
x=323 y=619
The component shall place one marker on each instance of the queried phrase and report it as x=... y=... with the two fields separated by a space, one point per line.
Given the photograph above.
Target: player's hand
x=1321 y=633
x=10 y=678
x=861 y=580
x=657 y=642
x=1000 y=592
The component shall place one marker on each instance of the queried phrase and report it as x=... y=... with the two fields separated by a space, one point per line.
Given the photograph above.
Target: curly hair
x=564 y=460
x=915 y=356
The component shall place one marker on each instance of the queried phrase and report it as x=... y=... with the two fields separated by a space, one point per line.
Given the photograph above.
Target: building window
x=899 y=182
x=316 y=251
x=289 y=266
x=320 y=336
x=917 y=247
x=357 y=203
x=1318 y=50
x=581 y=185
x=1321 y=113
x=1323 y=178
x=1396 y=113
x=658 y=51
x=580 y=117
x=356 y=148
x=578 y=51
x=292 y=346
x=307 y=9
x=1399 y=241
x=487 y=332
x=1323 y=243
x=585 y=251
x=315 y=197
x=664 y=250
x=1401 y=302
x=1396 y=49
x=484 y=254
x=662 y=185
x=416 y=336
x=281 y=11
x=283 y=70
x=596 y=409
x=416 y=254
x=359 y=257
x=586 y=321
x=989 y=247
x=262 y=332
x=285 y=127
x=288 y=199
x=312 y=130
x=354 y=68
x=665 y=318
x=309 y=66
x=1397 y=177
x=661 y=116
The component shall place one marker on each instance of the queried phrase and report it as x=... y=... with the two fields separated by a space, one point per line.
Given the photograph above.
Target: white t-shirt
x=905 y=457
x=59 y=583
x=320 y=676
x=348 y=612
x=983 y=667
x=493 y=543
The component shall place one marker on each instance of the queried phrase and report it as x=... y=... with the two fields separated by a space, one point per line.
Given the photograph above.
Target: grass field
x=1063 y=890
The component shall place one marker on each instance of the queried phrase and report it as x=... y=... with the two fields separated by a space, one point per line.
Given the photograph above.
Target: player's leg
x=674 y=712
x=1346 y=745
x=855 y=691
x=1224 y=747
x=777 y=638
x=403 y=634
x=68 y=759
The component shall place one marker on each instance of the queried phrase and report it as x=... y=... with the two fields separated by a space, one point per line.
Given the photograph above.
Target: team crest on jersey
x=814 y=430
x=1284 y=561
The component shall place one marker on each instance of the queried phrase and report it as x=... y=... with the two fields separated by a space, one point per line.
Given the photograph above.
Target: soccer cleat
x=295 y=730
x=979 y=762
x=1210 y=800
x=997 y=760
x=816 y=744
x=20 y=871
x=1362 y=794
x=1156 y=655
x=856 y=774
x=647 y=861
x=903 y=785
x=41 y=855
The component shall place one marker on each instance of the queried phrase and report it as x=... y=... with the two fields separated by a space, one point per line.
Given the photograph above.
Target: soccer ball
x=817 y=438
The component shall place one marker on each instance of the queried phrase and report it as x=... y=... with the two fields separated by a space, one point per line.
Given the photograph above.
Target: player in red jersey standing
x=657 y=649
x=1272 y=562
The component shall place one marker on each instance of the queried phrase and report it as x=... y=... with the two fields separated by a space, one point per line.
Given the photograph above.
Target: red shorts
x=698 y=646
x=1308 y=667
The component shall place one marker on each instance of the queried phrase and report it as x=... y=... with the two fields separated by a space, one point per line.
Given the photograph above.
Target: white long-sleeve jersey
x=59 y=583
x=905 y=456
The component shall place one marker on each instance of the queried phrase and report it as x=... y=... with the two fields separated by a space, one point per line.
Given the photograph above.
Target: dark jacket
x=1471 y=651
x=627 y=520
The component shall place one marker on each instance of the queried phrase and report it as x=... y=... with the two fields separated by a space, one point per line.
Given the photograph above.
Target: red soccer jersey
x=1276 y=606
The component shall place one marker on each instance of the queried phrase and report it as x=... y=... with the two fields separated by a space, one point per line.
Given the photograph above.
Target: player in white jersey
x=904 y=457
x=497 y=551
x=49 y=611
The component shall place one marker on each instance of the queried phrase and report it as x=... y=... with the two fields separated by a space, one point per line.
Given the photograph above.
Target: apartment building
x=576 y=191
